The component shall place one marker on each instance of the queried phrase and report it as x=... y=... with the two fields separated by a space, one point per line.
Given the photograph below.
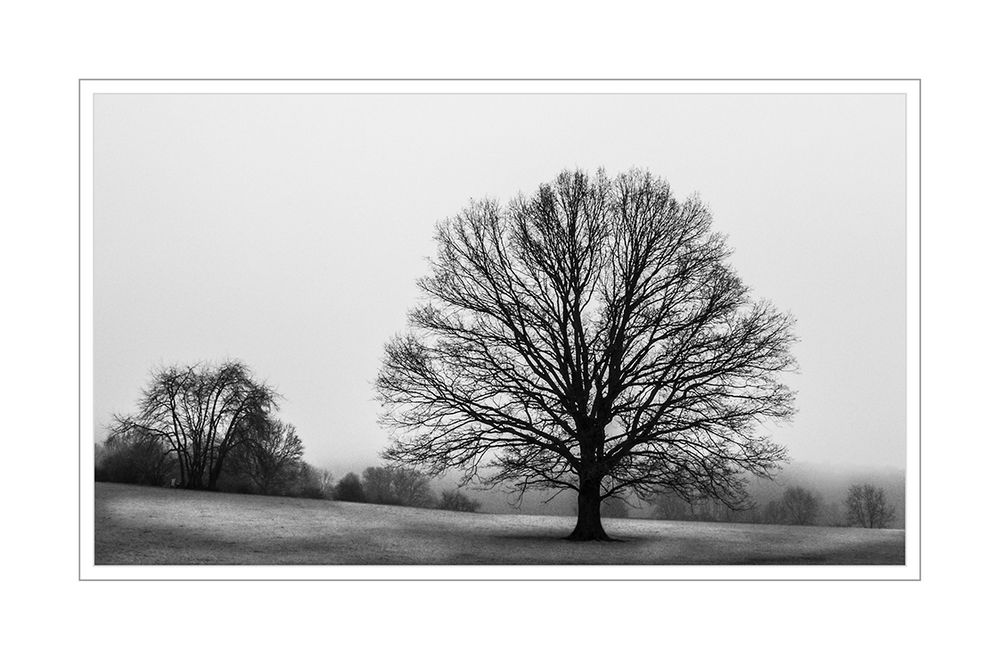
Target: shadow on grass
x=561 y=538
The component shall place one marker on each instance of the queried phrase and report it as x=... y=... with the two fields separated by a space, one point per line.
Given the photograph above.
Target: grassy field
x=137 y=525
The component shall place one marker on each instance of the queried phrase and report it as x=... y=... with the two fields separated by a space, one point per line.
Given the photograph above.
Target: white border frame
x=909 y=571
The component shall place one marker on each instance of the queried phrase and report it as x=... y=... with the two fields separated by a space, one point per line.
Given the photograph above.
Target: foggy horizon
x=288 y=231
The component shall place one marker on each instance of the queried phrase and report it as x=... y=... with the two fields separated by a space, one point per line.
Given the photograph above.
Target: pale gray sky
x=288 y=231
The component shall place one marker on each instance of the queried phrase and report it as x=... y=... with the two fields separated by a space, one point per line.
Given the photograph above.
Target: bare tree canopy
x=201 y=413
x=589 y=337
x=269 y=455
x=799 y=505
x=349 y=488
x=456 y=500
x=867 y=507
x=397 y=485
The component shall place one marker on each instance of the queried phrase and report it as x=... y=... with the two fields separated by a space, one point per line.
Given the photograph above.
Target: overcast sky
x=288 y=231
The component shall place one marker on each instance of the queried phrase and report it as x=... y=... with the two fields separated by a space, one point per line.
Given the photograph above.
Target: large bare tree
x=201 y=413
x=591 y=337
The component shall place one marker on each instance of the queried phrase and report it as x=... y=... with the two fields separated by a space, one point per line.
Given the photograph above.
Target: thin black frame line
x=919 y=577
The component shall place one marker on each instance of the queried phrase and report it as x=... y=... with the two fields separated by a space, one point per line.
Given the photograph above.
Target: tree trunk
x=194 y=481
x=588 y=513
x=213 y=476
x=215 y=468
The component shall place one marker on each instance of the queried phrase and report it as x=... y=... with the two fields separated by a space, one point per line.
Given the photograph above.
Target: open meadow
x=142 y=525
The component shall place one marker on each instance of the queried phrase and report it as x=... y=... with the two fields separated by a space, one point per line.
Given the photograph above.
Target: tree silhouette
x=201 y=413
x=349 y=488
x=589 y=337
x=269 y=455
x=799 y=505
x=456 y=500
x=397 y=485
x=867 y=507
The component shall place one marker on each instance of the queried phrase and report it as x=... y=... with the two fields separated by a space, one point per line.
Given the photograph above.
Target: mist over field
x=334 y=199
x=830 y=483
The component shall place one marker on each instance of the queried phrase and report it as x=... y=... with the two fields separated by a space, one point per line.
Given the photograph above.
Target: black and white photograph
x=498 y=330
x=563 y=325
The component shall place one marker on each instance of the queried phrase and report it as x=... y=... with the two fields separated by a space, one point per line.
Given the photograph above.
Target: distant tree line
x=272 y=465
x=215 y=427
x=400 y=486
x=865 y=506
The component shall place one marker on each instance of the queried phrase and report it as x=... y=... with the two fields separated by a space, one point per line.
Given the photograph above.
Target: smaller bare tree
x=867 y=507
x=397 y=485
x=269 y=455
x=456 y=500
x=311 y=482
x=799 y=506
x=201 y=413
x=349 y=488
